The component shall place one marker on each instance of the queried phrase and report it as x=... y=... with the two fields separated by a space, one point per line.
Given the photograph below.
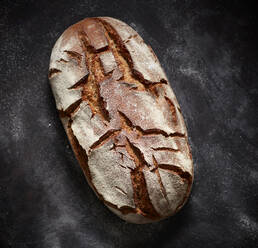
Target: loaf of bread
x=122 y=119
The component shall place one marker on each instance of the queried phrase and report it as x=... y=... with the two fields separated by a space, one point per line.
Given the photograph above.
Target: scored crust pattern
x=122 y=119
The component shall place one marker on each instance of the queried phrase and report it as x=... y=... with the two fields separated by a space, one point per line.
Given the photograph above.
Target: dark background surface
x=209 y=52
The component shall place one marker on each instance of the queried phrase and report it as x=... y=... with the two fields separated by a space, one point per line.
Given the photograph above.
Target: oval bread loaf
x=122 y=119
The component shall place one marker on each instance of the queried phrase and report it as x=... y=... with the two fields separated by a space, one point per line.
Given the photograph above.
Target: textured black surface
x=209 y=52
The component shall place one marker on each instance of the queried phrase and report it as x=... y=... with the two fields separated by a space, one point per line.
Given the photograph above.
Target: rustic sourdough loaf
x=122 y=119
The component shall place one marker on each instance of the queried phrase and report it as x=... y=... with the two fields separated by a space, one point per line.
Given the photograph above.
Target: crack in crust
x=70 y=110
x=62 y=60
x=74 y=55
x=172 y=109
x=80 y=83
x=141 y=196
x=121 y=55
x=159 y=178
x=52 y=72
x=185 y=175
x=119 y=189
x=155 y=131
x=90 y=91
x=165 y=149
x=104 y=138
x=102 y=106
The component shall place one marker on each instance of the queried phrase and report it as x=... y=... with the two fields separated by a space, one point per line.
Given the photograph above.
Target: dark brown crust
x=95 y=34
x=110 y=41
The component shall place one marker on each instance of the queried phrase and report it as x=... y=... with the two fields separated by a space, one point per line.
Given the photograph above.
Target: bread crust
x=122 y=119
